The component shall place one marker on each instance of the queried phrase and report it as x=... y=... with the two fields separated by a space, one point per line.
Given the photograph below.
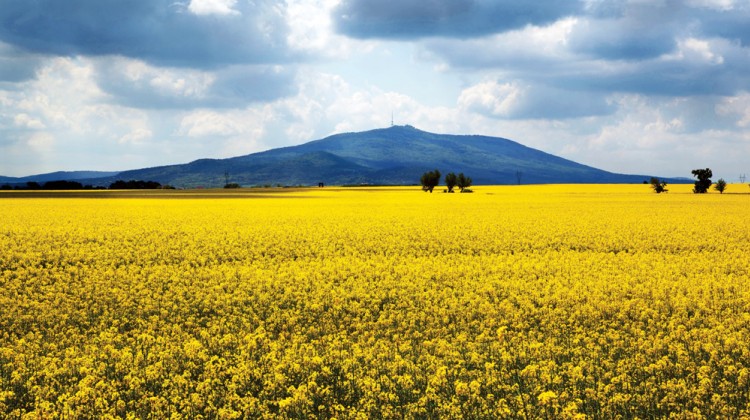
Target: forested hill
x=392 y=156
x=398 y=155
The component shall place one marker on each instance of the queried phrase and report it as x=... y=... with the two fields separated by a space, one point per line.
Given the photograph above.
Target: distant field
x=567 y=301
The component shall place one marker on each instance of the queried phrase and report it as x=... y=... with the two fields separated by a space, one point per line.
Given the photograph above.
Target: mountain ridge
x=397 y=155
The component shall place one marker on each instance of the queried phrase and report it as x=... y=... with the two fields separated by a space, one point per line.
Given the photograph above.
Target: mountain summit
x=396 y=155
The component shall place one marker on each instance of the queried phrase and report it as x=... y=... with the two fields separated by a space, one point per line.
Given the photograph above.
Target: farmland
x=594 y=301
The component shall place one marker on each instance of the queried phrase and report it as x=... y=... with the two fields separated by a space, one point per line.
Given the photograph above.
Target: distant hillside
x=58 y=176
x=391 y=156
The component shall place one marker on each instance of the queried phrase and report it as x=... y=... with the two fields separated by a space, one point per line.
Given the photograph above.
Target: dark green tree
x=430 y=180
x=463 y=182
x=704 y=180
x=720 y=186
x=450 y=181
x=658 y=185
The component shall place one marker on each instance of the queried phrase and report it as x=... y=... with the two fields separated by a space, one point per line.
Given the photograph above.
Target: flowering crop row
x=512 y=302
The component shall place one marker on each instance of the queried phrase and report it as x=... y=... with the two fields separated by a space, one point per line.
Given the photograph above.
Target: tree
x=704 y=180
x=450 y=181
x=658 y=185
x=430 y=180
x=720 y=186
x=463 y=182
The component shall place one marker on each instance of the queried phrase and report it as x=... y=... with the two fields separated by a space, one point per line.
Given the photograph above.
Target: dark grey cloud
x=697 y=67
x=662 y=80
x=669 y=48
x=623 y=39
x=17 y=66
x=623 y=29
x=733 y=24
x=175 y=88
x=158 y=31
x=719 y=69
x=410 y=19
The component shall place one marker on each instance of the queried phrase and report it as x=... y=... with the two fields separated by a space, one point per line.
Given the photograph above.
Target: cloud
x=532 y=48
x=201 y=34
x=737 y=108
x=661 y=136
x=61 y=119
x=17 y=66
x=213 y=7
x=137 y=84
x=517 y=101
x=312 y=34
x=696 y=67
x=24 y=121
x=722 y=18
x=413 y=19
x=632 y=38
x=580 y=55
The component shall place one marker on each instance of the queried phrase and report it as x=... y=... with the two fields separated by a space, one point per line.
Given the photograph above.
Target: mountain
x=58 y=176
x=397 y=155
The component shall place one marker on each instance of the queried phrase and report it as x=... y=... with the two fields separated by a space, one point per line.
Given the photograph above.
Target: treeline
x=138 y=185
x=51 y=185
x=74 y=185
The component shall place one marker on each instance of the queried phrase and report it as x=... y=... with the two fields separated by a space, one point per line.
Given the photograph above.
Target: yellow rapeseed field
x=525 y=302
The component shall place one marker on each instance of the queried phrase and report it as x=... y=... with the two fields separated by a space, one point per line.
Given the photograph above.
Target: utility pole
x=742 y=178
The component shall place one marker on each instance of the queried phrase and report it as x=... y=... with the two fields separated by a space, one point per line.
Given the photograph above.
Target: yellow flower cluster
x=512 y=302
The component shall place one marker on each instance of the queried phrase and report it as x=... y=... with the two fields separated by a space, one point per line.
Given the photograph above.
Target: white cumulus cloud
x=213 y=7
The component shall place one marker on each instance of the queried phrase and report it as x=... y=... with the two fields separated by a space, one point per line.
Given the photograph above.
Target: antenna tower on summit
x=391 y=118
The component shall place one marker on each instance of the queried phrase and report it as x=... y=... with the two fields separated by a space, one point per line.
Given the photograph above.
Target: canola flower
x=512 y=302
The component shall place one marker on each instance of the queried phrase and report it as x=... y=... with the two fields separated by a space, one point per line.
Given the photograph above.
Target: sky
x=656 y=87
